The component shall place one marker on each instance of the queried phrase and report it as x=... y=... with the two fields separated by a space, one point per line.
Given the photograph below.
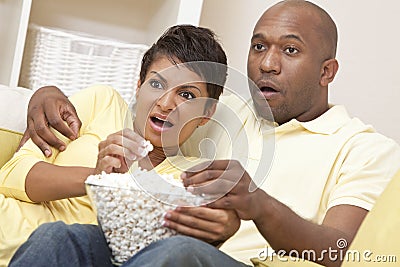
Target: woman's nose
x=271 y=61
x=167 y=100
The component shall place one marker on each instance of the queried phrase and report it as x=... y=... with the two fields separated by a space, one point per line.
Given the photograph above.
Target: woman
x=35 y=189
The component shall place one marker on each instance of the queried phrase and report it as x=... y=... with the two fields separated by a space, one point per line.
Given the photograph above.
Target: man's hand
x=228 y=179
x=119 y=151
x=213 y=226
x=48 y=106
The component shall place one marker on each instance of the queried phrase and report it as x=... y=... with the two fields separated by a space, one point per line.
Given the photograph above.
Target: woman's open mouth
x=160 y=124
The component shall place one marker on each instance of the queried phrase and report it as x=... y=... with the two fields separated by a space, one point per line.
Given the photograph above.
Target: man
x=328 y=169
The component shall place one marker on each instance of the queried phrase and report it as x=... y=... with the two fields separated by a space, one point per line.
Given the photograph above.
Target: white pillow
x=13 y=107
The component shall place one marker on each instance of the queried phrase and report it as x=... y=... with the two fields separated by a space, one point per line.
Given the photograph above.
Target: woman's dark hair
x=187 y=43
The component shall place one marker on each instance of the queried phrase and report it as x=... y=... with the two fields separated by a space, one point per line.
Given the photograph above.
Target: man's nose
x=271 y=61
x=167 y=100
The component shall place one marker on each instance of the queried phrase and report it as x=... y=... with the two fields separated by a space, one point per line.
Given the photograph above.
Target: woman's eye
x=259 y=47
x=291 y=50
x=156 y=84
x=187 y=95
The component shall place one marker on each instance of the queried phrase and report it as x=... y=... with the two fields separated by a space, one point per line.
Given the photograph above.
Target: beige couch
x=13 y=107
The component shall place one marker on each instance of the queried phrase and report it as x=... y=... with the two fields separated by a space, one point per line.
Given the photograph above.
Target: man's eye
x=156 y=84
x=187 y=95
x=291 y=50
x=259 y=47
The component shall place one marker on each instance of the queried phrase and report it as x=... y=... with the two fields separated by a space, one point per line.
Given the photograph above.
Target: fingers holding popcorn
x=120 y=150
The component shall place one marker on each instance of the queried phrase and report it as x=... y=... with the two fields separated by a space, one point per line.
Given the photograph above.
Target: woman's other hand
x=119 y=151
x=213 y=226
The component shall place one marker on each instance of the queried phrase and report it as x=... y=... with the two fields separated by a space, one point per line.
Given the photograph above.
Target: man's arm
x=48 y=106
x=278 y=224
x=103 y=111
x=286 y=231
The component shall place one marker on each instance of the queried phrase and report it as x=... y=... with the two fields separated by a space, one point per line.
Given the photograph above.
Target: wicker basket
x=73 y=61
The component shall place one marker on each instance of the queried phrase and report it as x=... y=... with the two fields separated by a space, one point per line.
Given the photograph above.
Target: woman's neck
x=155 y=157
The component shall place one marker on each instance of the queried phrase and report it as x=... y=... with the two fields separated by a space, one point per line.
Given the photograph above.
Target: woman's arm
x=46 y=182
x=29 y=174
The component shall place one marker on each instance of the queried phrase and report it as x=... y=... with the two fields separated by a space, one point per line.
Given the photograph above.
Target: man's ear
x=209 y=112
x=139 y=83
x=328 y=71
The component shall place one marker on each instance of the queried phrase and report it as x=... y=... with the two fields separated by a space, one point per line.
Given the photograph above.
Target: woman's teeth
x=161 y=122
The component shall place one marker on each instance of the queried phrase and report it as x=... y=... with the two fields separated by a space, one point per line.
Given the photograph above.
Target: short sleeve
x=368 y=163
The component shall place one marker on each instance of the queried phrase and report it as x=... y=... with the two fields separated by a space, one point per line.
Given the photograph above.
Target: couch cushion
x=9 y=141
x=283 y=261
x=377 y=242
x=13 y=108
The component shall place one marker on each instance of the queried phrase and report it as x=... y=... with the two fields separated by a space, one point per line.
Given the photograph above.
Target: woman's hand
x=213 y=226
x=119 y=151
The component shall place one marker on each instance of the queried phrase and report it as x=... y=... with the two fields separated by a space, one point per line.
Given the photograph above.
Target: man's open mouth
x=161 y=122
x=268 y=89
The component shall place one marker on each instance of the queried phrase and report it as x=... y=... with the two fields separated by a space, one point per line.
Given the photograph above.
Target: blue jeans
x=58 y=244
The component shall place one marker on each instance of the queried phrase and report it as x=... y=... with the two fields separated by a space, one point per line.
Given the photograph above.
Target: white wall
x=368 y=81
x=12 y=34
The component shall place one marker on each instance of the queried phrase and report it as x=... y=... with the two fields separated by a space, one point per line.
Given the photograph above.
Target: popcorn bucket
x=130 y=217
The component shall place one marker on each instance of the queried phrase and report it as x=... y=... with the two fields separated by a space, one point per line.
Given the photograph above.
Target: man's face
x=285 y=62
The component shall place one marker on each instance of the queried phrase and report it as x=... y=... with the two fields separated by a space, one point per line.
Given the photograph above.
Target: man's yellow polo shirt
x=312 y=166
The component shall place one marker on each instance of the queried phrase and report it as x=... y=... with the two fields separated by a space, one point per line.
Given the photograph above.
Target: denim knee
x=181 y=241
x=181 y=251
x=183 y=247
x=51 y=230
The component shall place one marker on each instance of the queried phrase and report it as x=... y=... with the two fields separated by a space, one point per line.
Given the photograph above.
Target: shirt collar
x=328 y=123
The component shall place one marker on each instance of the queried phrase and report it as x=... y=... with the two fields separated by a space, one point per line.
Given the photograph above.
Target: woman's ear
x=328 y=71
x=138 y=85
x=209 y=112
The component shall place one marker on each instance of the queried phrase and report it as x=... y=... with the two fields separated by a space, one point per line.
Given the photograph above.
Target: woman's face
x=170 y=104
